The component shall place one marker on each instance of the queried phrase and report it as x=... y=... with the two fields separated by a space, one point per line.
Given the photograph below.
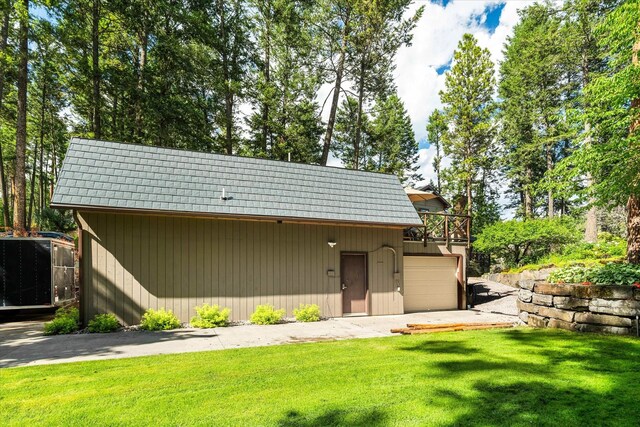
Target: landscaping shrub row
x=67 y=320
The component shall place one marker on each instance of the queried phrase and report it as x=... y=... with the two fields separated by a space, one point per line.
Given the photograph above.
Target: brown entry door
x=353 y=276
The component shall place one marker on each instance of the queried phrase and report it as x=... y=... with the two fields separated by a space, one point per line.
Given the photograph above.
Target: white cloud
x=436 y=36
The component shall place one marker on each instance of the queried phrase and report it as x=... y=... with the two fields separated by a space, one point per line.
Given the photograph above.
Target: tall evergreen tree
x=436 y=128
x=469 y=109
x=535 y=84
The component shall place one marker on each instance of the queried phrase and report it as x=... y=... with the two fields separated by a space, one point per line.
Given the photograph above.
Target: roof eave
x=214 y=215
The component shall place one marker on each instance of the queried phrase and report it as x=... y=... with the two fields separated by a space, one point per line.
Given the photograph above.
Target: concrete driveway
x=23 y=343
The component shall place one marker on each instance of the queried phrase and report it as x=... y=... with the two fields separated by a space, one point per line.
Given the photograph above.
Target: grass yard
x=498 y=377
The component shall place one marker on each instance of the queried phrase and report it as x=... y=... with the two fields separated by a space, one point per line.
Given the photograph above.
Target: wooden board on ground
x=417 y=328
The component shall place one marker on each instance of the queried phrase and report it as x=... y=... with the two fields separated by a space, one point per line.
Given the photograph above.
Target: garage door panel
x=430 y=283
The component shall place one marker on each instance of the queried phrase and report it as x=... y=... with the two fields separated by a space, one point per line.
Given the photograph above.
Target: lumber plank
x=456 y=329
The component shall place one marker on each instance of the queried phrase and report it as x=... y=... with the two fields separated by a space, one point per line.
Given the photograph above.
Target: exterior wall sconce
x=331 y=243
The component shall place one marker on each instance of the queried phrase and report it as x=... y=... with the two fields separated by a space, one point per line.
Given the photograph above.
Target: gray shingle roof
x=101 y=174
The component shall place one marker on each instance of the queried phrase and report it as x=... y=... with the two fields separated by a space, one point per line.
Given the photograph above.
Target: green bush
x=159 y=320
x=103 y=323
x=210 y=317
x=519 y=242
x=65 y=321
x=307 y=313
x=267 y=315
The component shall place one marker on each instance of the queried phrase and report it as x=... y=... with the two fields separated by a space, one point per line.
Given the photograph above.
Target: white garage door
x=430 y=283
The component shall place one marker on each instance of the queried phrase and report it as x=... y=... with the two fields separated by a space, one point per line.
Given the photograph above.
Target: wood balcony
x=441 y=228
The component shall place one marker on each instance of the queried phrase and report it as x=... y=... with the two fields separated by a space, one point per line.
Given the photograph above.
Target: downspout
x=80 y=279
x=396 y=273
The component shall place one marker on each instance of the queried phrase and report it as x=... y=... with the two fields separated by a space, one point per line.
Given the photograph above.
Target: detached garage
x=175 y=229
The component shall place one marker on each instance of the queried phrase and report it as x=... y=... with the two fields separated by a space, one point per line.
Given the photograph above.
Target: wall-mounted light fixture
x=331 y=243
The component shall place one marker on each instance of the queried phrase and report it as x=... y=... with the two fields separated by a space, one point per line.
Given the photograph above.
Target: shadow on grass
x=30 y=345
x=335 y=417
x=559 y=378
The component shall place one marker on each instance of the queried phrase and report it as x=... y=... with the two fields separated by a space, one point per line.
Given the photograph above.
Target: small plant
x=609 y=274
x=307 y=313
x=573 y=274
x=159 y=320
x=66 y=321
x=617 y=274
x=266 y=315
x=210 y=317
x=103 y=323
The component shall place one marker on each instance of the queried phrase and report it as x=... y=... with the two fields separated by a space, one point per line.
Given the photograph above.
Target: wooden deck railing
x=441 y=228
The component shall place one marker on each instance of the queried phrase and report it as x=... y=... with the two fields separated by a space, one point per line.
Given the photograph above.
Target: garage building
x=176 y=229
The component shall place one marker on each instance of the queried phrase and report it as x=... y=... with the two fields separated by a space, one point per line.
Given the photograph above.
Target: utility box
x=36 y=272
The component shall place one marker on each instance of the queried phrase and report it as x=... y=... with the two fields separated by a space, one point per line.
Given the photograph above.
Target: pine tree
x=436 y=128
x=393 y=147
x=468 y=109
x=535 y=84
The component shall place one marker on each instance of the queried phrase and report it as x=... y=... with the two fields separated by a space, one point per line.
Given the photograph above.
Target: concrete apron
x=23 y=344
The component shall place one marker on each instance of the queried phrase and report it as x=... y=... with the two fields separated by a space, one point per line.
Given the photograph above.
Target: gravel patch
x=494 y=297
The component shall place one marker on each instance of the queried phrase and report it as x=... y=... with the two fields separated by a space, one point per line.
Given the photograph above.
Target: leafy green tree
x=518 y=241
x=436 y=128
x=613 y=159
x=469 y=109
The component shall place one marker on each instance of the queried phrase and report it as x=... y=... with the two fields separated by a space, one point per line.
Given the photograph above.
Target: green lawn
x=498 y=377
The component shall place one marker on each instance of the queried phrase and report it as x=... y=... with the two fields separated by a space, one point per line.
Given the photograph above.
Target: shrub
x=160 y=320
x=617 y=274
x=65 y=321
x=520 y=241
x=102 y=323
x=266 y=315
x=307 y=313
x=210 y=317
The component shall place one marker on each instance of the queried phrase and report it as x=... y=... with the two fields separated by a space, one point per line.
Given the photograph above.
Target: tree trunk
x=267 y=79
x=469 y=197
x=633 y=229
x=358 y=138
x=95 y=59
x=336 y=93
x=528 y=200
x=591 y=221
x=550 y=206
x=633 y=203
x=228 y=94
x=19 y=217
x=35 y=153
x=4 y=36
x=143 y=39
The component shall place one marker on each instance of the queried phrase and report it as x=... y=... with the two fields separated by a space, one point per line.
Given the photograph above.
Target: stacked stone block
x=606 y=309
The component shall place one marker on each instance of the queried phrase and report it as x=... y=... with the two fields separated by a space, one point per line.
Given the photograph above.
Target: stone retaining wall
x=513 y=279
x=608 y=309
